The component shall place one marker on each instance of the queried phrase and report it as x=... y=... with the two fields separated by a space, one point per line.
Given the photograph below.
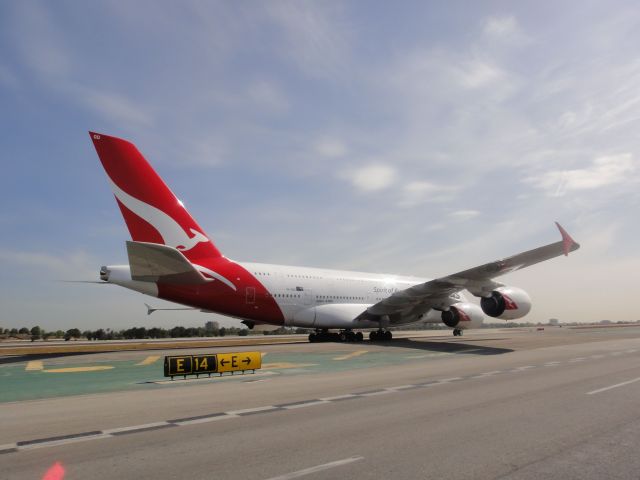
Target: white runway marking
x=447 y=380
x=487 y=374
x=614 y=386
x=317 y=468
x=134 y=427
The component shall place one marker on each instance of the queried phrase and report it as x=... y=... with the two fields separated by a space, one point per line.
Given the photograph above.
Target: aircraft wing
x=438 y=293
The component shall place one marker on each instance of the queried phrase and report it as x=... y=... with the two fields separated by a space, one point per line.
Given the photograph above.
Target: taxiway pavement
x=510 y=404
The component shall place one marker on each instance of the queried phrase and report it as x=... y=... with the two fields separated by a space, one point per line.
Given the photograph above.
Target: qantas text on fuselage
x=170 y=257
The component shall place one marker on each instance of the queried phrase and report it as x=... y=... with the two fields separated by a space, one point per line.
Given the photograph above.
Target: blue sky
x=414 y=138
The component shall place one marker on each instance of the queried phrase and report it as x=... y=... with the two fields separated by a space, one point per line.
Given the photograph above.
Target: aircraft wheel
x=373 y=336
x=343 y=337
x=313 y=337
x=359 y=337
x=388 y=335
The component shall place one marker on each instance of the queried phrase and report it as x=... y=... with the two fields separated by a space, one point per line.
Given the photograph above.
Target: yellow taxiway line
x=351 y=355
x=34 y=365
x=79 y=369
x=149 y=360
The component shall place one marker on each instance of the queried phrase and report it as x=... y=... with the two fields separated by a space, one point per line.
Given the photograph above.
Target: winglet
x=568 y=243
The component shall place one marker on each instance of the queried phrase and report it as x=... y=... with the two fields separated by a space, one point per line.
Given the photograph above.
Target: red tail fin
x=151 y=211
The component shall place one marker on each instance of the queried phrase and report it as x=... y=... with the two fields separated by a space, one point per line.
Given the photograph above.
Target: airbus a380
x=172 y=258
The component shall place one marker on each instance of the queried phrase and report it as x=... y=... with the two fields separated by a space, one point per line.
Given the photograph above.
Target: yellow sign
x=216 y=363
x=235 y=362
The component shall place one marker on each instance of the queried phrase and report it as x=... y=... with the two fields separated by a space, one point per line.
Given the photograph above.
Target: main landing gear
x=324 y=335
x=380 y=336
x=457 y=332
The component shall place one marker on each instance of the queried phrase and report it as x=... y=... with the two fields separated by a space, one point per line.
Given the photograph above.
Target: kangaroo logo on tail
x=171 y=232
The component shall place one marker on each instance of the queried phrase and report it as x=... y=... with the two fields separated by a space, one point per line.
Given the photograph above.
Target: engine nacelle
x=463 y=316
x=507 y=303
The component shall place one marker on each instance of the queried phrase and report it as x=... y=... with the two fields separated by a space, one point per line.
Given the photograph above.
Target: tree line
x=37 y=333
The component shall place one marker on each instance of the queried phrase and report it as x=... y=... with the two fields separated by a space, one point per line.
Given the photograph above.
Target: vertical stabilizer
x=151 y=211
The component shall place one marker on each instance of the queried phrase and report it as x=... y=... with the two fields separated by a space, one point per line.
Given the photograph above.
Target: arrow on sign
x=247 y=360
x=224 y=362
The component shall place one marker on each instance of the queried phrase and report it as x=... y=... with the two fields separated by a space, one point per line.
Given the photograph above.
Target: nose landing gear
x=457 y=332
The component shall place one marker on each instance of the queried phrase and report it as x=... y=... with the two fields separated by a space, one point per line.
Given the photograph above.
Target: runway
x=510 y=404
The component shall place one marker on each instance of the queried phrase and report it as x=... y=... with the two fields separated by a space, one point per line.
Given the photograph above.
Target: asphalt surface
x=510 y=404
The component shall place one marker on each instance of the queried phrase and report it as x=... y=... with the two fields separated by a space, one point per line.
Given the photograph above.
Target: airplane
x=172 y=258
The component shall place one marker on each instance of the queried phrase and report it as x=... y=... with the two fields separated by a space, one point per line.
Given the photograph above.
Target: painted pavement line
x=611 y=387
x=445 y=380
x=577 y=359
x=198 y=418
x=34 y=366
x=145 y=429
x=248 y=411
x=203 y=419
x=55 y=443
x=149 y=360
x=487 y=374
x=310 y=403
x=317 y=468
x=371 y=393
x=112 y=431
x=351 y=355
x=255 y=411
x=338 y=398
x=400 y=387
x=58 y=438
x=8 y=448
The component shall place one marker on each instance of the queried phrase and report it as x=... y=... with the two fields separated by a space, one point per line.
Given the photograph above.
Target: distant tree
x=23 y=331
x=243 y=332
x=72 y=333
x=222 y=332
x=14 y=331
x=59 y=334
x=36 y=332
x=47 y=335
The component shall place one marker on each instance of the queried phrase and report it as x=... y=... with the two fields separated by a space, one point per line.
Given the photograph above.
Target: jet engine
x=463 y=316
x=507 y=303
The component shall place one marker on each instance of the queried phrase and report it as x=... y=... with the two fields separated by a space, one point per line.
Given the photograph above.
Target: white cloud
x=465 y=214
x=604 y=171
x=42 y=48
x=114 y=107
x=419 y=192
x=372 y=177
x=268 y=95
x=314 y=35
x=330 y=147
x=501 y=26
x=478 y=73
x=72 y=266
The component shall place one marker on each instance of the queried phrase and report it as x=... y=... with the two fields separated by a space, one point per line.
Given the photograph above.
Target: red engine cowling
x=507 y=303
x=463 y=316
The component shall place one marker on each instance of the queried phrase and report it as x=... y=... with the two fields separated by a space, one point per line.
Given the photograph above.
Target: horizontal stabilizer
x=152 y=262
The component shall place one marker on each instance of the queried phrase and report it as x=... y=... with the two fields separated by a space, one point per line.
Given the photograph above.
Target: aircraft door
x=250 y=295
